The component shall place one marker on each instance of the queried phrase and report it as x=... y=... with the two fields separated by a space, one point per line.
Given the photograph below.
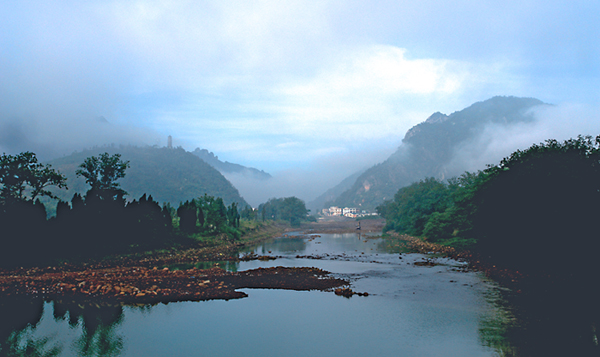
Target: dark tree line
x=22 y=216
x=99 y=223
x=536 y=208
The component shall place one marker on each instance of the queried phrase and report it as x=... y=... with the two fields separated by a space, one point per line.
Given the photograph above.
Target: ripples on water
x=411 y=311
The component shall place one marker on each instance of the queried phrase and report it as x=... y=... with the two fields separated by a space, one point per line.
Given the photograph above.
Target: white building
x=347 y=211
x=335 y=211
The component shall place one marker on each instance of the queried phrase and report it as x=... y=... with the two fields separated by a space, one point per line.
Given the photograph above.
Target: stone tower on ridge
x=170 y=142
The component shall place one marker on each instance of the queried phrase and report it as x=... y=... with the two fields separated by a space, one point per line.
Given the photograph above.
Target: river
x=424 y=309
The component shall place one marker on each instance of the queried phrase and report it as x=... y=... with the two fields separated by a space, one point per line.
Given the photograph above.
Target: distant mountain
x=429 y=147
x=229 y=168
x=169 y=175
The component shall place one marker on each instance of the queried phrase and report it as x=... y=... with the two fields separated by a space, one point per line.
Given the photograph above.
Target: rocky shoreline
x=152 y=285
x=144 y=279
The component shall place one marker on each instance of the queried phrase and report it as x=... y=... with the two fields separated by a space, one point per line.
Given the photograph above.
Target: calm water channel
x=411 y=311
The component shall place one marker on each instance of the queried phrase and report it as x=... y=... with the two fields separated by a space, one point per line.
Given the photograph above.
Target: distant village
x=350 y=212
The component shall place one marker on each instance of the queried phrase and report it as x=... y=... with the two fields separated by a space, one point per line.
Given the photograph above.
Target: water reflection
x=19 y=317
x=98 y=325
x=32 y=327
x=281 y=246
x=326 y=244
x=412 y=311
x=547 y=322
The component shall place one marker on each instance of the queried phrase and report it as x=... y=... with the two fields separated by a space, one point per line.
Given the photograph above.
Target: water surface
x=411 y=311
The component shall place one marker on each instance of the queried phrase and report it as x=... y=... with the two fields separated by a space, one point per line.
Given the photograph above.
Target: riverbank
x=145 y=278
x=147 y=286
x=344 y=225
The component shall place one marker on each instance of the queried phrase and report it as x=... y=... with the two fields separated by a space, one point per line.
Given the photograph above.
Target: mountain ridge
x=428 y=147
x=226 y=167
x=169 y=175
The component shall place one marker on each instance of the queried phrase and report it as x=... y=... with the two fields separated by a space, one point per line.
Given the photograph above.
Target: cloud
x=361 y=89
x=359 y=95
x=311 y=181
x=560 y=122
x=50 y=139
x=246 y=79
x=211 y=46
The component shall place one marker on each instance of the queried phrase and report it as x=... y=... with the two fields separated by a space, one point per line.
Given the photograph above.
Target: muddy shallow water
x=418 y=305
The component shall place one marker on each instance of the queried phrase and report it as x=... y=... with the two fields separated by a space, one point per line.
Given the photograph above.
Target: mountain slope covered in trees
x=428 y=149
x=169 y=175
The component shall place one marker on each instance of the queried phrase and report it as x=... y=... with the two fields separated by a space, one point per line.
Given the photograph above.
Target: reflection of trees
x=285 y=245
x=21 y=317
x=98 y=323
x=20 y=343
x=543 y=323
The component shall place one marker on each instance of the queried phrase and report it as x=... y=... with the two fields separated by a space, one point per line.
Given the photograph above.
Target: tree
x=102 y=173
x=215 y=213
x=22 y=216
x=542 y=202
x=233 y=216
x=291 y=209
x=188 y=217
x=23 y=178
x=412 y=206
x=294 y=210
x=249 y=213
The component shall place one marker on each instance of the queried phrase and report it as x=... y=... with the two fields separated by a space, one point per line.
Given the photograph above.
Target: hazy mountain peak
x=227 y=168
x=428 y=148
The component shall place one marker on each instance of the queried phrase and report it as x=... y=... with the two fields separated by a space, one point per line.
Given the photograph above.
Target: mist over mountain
x=442 y=146
x=169 y=175
x=230 y=168
x=51 y=136
x=330 y=195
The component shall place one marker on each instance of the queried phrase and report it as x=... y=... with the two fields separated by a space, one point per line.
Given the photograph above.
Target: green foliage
x=208 y=216
x=233 y=216
x=440 y=211
x=249 y=213
x=102 y=172
x=412 y=206
x=171 y=175
x=536 y=207
x=290 y=209
x=215 y=213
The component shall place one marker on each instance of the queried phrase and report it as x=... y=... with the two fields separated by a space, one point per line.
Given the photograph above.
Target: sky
x=292 y=87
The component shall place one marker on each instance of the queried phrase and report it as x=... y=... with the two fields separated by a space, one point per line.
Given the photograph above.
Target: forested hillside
x=170 y=175
x=428 y=148
x=534 y=210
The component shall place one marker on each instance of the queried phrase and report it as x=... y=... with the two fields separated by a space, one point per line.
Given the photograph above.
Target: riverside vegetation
x=534 y=208
x=102 y=222
x=530 y=223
